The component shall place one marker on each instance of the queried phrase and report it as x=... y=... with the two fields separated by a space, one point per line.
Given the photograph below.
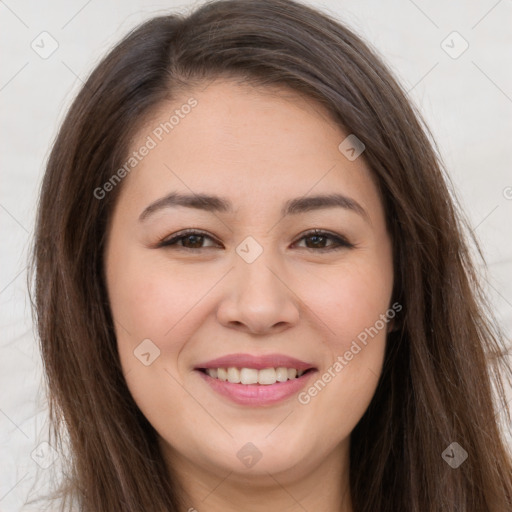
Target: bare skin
x=199 y=299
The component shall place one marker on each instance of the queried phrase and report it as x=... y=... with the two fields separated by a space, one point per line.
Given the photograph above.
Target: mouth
x=255 y=380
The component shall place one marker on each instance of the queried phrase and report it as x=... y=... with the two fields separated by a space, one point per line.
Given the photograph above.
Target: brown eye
x=315 y=240
x=319 y=239
x=190 y=239
x=195 y=241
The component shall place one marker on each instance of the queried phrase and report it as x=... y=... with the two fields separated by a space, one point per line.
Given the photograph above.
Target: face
x=253 y=287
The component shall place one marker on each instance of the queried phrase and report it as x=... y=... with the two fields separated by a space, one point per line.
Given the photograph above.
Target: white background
x=466 y=101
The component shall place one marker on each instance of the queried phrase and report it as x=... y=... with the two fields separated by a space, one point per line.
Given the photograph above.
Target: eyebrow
x=212 y=203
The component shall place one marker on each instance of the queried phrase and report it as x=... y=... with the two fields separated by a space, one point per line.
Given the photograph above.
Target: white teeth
x=234 y=375
x=266 y=376
x=248 y=376
x=282 y=374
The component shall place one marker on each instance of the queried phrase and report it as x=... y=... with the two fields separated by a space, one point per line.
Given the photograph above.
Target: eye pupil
x=196 y=240
x=316 y=239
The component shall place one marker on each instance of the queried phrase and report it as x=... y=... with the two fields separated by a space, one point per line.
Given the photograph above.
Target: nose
x=258 y=299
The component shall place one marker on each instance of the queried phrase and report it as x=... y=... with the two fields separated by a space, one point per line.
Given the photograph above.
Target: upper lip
x=257 y=362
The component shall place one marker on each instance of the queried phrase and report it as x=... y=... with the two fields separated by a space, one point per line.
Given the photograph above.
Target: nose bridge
x=256 y=268
x=258 y=275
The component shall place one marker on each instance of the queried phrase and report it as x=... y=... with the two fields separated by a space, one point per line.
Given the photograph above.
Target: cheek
x=353 y=305
x=166 y=304
x=348 y=300
x=152 y=298
x=156 y=310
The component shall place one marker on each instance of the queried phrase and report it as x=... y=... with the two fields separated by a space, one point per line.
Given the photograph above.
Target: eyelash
x=342 y=243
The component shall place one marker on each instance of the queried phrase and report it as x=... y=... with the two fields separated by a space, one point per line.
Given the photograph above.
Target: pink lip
x=256 y=362
x=257 y=394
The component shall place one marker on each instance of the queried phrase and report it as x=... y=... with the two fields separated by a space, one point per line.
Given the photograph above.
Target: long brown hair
x=444 y=357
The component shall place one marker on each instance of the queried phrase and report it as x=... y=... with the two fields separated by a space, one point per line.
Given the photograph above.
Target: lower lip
x=257 y=394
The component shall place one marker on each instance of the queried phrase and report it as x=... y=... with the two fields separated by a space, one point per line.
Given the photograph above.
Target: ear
x=393 y=325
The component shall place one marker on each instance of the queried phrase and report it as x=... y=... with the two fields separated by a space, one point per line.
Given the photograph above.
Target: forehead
x=247 y=143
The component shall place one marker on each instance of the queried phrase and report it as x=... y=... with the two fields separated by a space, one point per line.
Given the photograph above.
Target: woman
x=253 y=288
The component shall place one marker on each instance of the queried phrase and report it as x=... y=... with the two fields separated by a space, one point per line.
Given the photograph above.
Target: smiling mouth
x=252 y=376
